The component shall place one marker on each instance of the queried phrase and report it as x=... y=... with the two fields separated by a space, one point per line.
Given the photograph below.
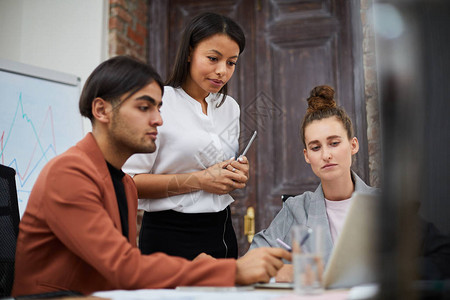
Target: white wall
x=69 y=36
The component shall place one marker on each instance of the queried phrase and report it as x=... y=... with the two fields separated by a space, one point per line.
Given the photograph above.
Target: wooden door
x=291 y=47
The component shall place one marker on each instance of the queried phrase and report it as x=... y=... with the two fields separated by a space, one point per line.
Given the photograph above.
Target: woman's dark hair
x=199 y=28
x=113 y=78
x=321 y=105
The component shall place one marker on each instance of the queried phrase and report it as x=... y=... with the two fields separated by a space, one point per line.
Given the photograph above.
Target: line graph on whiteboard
x=37 y=123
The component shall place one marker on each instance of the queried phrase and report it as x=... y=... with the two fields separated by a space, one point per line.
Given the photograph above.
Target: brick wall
x=128 y=28
x=371 y=93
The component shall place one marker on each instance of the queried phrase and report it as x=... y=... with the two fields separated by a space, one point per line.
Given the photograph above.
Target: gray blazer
x=307 y=208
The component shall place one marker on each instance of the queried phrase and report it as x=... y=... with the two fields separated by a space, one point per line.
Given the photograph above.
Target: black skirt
x=188 y=235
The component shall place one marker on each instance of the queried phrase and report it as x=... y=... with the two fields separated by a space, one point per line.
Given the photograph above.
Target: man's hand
x=259 y=265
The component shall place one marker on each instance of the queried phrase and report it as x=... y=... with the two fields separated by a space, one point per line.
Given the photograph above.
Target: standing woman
x=184 y=186
x=329 y=145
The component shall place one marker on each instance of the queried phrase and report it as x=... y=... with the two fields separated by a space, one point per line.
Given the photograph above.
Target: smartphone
x=248 y=145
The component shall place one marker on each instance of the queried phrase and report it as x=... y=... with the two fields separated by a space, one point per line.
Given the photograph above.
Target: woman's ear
x=101 y=110
x=305 y=153
x=354 y=144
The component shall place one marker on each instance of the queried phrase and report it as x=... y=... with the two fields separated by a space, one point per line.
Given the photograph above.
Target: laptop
x=353 y=259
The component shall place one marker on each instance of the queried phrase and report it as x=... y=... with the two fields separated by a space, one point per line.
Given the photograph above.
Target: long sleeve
x=70 y=237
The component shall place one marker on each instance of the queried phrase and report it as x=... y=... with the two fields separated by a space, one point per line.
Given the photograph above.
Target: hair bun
x=321 y=97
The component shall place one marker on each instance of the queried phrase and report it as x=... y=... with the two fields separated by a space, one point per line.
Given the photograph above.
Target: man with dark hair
x=78 y=232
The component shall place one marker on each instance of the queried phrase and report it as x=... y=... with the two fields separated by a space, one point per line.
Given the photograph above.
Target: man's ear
x=101 y=110
x=354 y=144
x=305 y=153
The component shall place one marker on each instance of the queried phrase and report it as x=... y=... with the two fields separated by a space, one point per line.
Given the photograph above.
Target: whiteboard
x=39 y=120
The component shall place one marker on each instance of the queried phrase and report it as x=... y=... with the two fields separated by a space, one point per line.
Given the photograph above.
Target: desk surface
x=219 y=293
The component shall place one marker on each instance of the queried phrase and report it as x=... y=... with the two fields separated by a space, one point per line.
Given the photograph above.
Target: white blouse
x=190 y=141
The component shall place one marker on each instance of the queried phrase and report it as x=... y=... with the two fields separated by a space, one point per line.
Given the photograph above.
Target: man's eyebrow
x=149 y=99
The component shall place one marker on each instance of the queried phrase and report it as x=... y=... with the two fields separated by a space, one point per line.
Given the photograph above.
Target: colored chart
x=39 y=120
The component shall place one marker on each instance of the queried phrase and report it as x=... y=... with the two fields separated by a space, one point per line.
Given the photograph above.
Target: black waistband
x=171 y=217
